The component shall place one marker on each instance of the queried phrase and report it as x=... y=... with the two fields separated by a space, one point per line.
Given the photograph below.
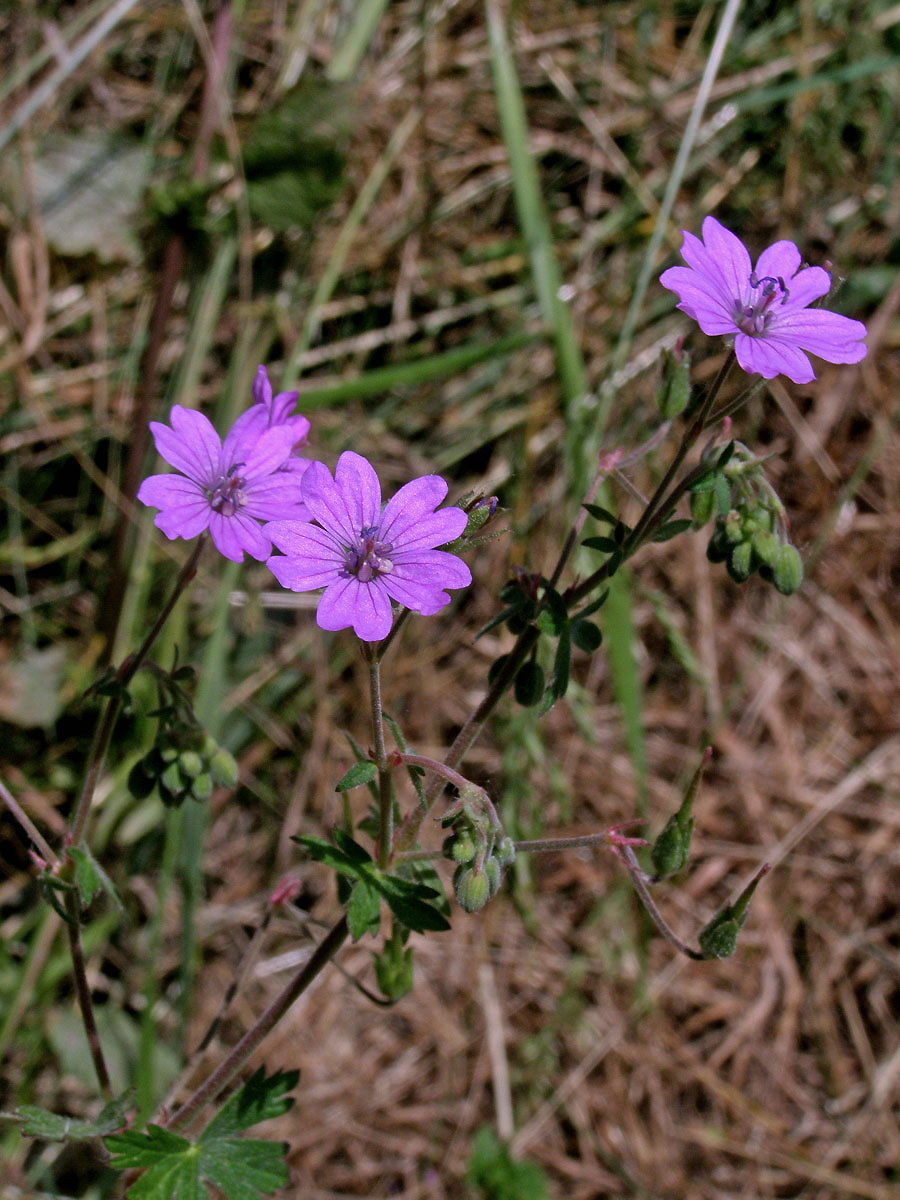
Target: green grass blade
x=410 y=374
x=357 y=39
x=620 y=641
x=538 y=238
x=344 y=240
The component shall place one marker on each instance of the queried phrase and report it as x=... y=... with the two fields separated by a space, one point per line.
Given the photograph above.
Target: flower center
x=227 y=496
x=369 y=557
x=754 y=314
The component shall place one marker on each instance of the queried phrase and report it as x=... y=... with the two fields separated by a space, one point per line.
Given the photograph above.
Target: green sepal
x=719 y=938
x=394 y=968
x=90 y=878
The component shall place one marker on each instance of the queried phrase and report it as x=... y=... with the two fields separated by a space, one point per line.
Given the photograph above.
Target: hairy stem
x=83 y=993
x=385 y=783
x=126 y=672
x=232 y=1064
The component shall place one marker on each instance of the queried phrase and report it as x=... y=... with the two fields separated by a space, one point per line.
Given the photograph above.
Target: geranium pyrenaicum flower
x=765 y=308
x=227 y=487
x=364 y=556
x=267 y=411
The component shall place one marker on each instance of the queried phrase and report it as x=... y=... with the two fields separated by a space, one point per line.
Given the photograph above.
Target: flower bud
x=480 y=513
x=222 y=768
x=766 y=547
x=201 y=786
x=394 y=970
x=740 y=565
x=703 y=505
x=141 y=780
x=719 y=938
x=734 y=527
x=506 y=852
x=494 y=875
x=462 y=848
x=672 y=847
x=472 y=887
x=172 y=778
x=190 y=763
x=719 y=546
x=787 y=571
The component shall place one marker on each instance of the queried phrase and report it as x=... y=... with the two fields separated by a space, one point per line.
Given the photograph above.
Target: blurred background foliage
x=443 y=223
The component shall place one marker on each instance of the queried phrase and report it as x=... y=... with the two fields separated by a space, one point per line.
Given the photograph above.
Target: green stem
x=661 y=500
x=83 y=993
x=385 y=788
x=231 y=1065
x=123 y=677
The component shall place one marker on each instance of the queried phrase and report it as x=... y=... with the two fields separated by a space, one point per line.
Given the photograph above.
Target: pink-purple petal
x=768 y=357
x=191 y=445
x=781 y=259
x=365 y=606
x=824 y=333
x=274 y=496
x=184 y=508
x=730 y=255
x=435 y=529
x=807 y=285
x=301 y=575
x=324 y=501
x=409 y=505
x=360 y=490
x=269 y=452
x=236 y=533
x=302 y=540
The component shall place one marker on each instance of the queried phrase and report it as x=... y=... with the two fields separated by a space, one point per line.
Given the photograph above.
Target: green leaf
x=91 y=878
x=424 y=875
x=241 y=1168
x=260 y=1099
x=359 y=773
x=294 y=157
x=607 y=545
x=556 y=606
x=363 y=909
x=324 y=852
x=52 y=1127
x=499 y=1176
x=352 y=849
x=409 y=901
x=671 y=529
x=559 y=683
x=600 y=513
x=416 y=914
x=587 y=636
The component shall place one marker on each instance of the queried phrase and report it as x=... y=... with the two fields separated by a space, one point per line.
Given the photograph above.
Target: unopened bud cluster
x=749 y=534
x=183 y=765
x=478 y=846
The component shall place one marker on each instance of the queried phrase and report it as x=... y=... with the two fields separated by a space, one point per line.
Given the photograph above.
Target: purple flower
x=227 y=487
x=267 y=411
x=766 y=307
x=364 y=556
